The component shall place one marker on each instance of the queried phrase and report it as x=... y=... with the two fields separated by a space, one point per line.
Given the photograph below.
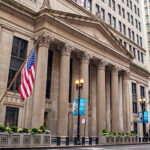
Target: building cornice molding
x=18 y=10
x=139 y=70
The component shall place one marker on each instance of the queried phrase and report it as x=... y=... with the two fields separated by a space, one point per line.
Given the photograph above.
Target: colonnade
x=101 y=98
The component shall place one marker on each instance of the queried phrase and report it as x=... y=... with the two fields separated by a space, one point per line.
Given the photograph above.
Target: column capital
x=126 y=74
x=66 y=49
x=45 y=41
x=85 y=57
x=102 y=64
x=115 y=70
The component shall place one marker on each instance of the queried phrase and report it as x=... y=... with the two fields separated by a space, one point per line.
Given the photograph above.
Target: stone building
x=76 y=44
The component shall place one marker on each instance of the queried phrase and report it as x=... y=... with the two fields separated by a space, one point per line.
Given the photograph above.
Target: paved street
x=125 y=147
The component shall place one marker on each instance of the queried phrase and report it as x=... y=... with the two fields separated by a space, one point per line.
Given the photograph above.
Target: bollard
x=58 y=141
x=75 y=141
x=83 y=140
x=67 y=140
x=97 y=140
x=90 y=140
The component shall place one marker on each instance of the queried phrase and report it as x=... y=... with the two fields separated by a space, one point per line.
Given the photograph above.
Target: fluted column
x=62 y=127
x=84 y=92
x=115 y=101
x=101 y=101
x=40 y=83
x=125 y=101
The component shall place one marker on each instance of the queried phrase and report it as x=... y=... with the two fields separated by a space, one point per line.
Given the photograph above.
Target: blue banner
x=145 y=116
x=82 y=107
x=140 y=117
x=75 y=107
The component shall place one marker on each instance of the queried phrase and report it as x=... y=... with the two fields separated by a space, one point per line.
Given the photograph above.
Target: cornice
x=17 y=9
x=139 y=69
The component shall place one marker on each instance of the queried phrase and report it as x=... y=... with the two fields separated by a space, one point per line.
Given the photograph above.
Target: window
x=128 y=16
x=125 y=44
x=114 y=22
x=137 y=39
x=103 y=14
x=120 y=40
x=132 y=20
x=129 y=33
x=97 y=8
x=135 y=127
x=70 y=80
x=89 y=5
x=141 y=41
x=130 y=49
x=142 y=58
x=131 y=5
x=109 y=18
x=124 y=29
x=134 y=98
x=18 y=55
x=136 y=23
x=49 y=74
x=109 y=3
x=123 y=12
x=139 y=26
x=133 y=38
x=113 y=5
x=142 y=91
x=11 y=116
x=120 y=26
x=134 y=53
x=83 y=3
x=127 y=3
x=138 y=56
x=135 y=9
x=138 y=11
x=119 y=10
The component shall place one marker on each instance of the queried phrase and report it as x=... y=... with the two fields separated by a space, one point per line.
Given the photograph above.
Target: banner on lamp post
x=82 y=107
x=140 y=117
x=75 y=107
x=145 y=116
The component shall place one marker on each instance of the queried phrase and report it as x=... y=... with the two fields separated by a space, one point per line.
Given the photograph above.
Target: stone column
x=40 y=83
x=115 y=101
x=62 y=127
x=125 y=101
x=84 y=73
x=101 y=101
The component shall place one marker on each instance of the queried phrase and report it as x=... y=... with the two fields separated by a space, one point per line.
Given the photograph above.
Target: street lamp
x=79 y=86
x=142 y=101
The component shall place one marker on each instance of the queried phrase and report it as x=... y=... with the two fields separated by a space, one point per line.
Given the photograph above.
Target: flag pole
x=16 y=75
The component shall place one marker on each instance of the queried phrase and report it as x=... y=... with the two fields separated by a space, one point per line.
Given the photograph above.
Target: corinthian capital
x=115 y=70
x=102 y=64
x=126 y=75
x=65 y=49
x=45 y=41
x=86 y=57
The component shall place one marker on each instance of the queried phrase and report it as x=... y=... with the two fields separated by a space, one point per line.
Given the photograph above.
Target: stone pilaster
x=115 y=101
x=84 y=73
x=62 y=127
x=40 y=83
x=125 y=101
x=6 y=42
x=101 y=101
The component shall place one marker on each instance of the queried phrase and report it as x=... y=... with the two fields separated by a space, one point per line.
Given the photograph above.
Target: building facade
x=75 y=44
x=147 y=21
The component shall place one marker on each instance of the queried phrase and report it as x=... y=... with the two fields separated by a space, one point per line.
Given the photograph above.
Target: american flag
x=27 y=76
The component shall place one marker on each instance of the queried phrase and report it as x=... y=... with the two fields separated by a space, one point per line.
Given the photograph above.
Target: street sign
x=82 y=107
x=75 y=107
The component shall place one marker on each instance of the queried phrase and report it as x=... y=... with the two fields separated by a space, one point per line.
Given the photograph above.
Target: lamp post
x=79 y=86
x=142 y=101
